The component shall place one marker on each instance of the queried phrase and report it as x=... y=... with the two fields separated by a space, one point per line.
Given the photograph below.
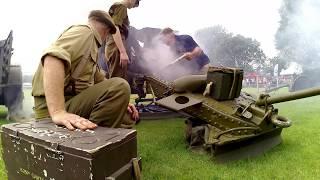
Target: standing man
x=69 y=87
x=116 y=54
x=184 y=45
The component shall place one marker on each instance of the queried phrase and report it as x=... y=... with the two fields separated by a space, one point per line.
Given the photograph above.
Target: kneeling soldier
x=69 y=87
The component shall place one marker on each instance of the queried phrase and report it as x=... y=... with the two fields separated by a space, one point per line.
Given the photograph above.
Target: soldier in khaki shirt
x=69 y=87
x=116 y=54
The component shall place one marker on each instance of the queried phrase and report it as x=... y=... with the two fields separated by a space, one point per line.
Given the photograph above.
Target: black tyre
x=13 y=94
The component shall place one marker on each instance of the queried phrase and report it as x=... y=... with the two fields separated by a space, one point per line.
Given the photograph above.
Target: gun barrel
x=289 y=97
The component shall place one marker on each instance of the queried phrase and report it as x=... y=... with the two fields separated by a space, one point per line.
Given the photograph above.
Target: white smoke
x=302 y=32
x=160 y=58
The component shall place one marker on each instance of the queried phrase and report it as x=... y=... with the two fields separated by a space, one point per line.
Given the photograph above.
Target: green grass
x=165 y=156
x=3 y=114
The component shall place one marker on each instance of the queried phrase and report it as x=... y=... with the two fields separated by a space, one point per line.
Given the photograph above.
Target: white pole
x=257 y=79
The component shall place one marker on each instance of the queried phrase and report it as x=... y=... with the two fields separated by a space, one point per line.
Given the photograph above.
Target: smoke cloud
x=298 y=37
x=156 y=58
x=23 y=111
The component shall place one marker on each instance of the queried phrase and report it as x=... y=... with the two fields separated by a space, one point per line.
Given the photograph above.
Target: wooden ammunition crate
x=41 y=150
x=227 y=82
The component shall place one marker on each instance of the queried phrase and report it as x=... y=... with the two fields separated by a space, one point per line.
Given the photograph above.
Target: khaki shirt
x=119 y=14
x=72 y=45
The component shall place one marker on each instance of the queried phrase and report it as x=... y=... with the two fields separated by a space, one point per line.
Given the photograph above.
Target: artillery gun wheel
x=194 y=132
x=5 y=58
x=13 y=94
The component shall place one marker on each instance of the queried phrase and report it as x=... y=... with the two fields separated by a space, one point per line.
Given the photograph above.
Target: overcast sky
x=37 y=23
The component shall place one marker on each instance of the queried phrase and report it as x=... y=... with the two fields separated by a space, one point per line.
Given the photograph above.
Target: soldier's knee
x=121 y=85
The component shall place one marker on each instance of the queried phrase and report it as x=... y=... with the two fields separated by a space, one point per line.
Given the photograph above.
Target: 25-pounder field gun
x=223 y=120
x=11 y=94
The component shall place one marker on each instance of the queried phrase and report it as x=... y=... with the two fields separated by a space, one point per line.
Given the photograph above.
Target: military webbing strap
x=78 y=70
x=233 y=82
x=136 y=169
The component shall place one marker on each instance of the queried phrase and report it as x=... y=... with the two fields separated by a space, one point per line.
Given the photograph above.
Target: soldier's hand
x=72 y=121
x=133 y=111
x=124 y=60
x=188 y=56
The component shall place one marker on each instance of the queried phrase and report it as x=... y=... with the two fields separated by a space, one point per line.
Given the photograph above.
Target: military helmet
x=137 y=3
x=103 y=17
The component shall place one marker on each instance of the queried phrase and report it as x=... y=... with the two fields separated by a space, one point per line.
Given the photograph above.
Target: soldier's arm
x=120 y=14
x=123 y=54
x=193 y=49
x=118 y=40
x=53 y=79
x=196 y=51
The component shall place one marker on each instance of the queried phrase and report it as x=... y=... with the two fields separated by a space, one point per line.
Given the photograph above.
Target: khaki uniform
x=97 y=99
x=119 y=15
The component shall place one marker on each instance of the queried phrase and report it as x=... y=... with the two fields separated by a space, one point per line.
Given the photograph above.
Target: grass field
x=3 y=114
x=162 y=148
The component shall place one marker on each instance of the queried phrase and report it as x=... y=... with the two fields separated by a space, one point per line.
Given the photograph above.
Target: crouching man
x=69 y=87
x=197 y=61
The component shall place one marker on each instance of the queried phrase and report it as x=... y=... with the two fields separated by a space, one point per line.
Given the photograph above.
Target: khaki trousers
x=104 y=103
x=115 y=70
x=112 y=54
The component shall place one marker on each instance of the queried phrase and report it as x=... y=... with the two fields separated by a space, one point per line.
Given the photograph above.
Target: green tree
x=268 y=66
x=226 y=49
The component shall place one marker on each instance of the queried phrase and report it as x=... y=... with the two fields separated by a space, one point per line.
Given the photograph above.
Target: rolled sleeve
x=70 y=45
x=190 y=44
x=120 y=14
x=59 y=53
